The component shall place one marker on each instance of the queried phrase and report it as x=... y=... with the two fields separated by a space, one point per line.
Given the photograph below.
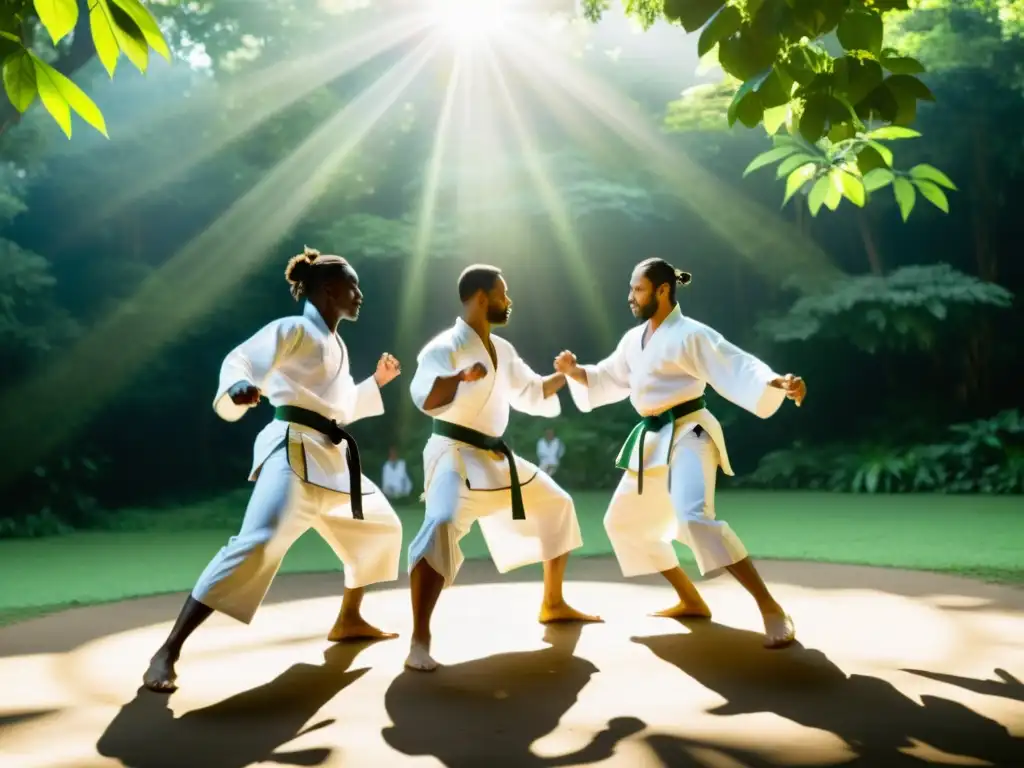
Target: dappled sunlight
x=645 y=684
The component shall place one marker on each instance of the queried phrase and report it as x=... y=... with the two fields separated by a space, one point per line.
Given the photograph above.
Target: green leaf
x=891 y=132
x=774 y=118
x=884 y=152
x=852 y=187
x=877 y=178
x=128 y=35
x=147 y=25
x=933 y=194
x=797 y=179
x=745 y=95
x=723 y=24
x=834 y=193
x=930 y=173
x=59 y=95
x=9 y=36
x=58 y=16
x=860 y=30
x=905 y=196
x=102 y=27
x=771 y=156
x=902 y=65
x=790 y=164
x=817 y=194
x=691 y=14
x=20 y=80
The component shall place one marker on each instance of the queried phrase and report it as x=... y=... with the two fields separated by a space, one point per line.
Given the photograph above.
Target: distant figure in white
x=305 y=463
x=549 y=452
x=395 y=481
x=664 y=366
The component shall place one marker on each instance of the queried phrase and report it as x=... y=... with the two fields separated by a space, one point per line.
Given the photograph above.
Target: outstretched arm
x=247 y=366
x=532 y=393
x=592 y=386
x=739 y=376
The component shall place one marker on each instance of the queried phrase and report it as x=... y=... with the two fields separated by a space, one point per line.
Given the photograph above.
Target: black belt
x=654 y=423
x=488 y=443
x=334 y=432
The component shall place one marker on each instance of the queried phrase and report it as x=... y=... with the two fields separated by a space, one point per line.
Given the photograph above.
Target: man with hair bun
x=671 y=457
x=306 y=466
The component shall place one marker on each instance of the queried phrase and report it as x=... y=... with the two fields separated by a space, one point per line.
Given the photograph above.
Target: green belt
x=488 y=443
x=653 y=424
x=336 y=435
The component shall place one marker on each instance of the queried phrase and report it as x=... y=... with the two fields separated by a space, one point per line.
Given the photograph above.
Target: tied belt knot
x=337 y=435
x=654 y=423
x=488 y=443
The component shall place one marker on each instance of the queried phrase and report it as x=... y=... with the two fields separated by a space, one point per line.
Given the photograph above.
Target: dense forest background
x=129 y=267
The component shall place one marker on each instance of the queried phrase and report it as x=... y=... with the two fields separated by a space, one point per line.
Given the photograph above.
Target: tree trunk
x=984 y=253
x=76 y=56
x=870 y=248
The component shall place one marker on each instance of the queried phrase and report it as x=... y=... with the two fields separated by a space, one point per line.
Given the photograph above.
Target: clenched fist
x=796 y=389
x=244 y=393
x=473 y=373
x=388 y=368
x=565 y=363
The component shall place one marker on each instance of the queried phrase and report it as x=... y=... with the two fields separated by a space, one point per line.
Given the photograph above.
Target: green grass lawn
x=158 y=551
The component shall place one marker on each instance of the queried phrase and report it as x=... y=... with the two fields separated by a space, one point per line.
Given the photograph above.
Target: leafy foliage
x=983 y=456
x=827 y=172
x=116 y=27
x=903 y=310
x=789 y=77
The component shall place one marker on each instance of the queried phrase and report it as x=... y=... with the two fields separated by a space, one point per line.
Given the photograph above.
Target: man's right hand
x=474 y=373
x=566 y=363
x=244 y=393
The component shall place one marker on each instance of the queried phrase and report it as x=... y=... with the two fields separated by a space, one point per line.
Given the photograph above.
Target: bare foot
x=419 y=657
x=684 y=610
x=161 y=677
x=549 y=614
x=779 y=630
x=357 y=629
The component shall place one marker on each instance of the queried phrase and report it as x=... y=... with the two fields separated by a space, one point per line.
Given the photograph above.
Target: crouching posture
x=306 y=466
x=672 y=456
x=466 y=379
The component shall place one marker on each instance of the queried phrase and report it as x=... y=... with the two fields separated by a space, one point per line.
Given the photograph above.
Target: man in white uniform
x=466 y=380
x=395 y=481
x=672 y=457
x=549 y=452
x=306 y=466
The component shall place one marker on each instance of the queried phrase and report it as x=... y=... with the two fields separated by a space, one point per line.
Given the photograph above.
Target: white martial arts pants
x=549 y=530
x=641 y=528
x=549 y=466
x=282 y=508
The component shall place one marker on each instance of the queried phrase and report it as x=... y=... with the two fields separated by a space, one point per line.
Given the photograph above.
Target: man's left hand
x=796 y=389
x=388 y=368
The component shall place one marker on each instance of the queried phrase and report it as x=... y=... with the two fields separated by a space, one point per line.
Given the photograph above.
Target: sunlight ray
x=278 y=86
x=83 y=379
x=561 y=223
x=772 y=246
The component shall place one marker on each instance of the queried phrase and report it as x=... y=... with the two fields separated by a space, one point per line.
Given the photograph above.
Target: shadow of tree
x=490 y=711
x=875 y=719
x=239 y=731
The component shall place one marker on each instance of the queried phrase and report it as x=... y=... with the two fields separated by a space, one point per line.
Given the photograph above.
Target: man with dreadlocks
x=306 y=465
x=672 y=456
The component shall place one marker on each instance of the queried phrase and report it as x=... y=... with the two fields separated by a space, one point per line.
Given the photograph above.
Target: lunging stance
x=305 y=466
x=672 y=456
x=467 y=379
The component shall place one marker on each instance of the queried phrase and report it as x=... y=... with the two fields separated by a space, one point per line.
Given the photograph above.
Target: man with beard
x=466 y=380
x=672 y=456
x=305 y=464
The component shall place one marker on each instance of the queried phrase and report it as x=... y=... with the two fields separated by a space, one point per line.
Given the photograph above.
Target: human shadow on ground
x=873 y=717
x=247 y=728
x=1007 y=686
x=490 y=711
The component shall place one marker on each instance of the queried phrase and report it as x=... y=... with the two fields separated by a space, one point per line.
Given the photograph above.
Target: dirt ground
x=893 y=668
